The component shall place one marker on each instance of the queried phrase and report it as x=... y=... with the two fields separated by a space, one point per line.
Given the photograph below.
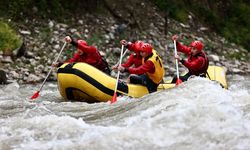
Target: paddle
x=114 y=98
x=178 y=81
x=122 y=57
x=36 y=94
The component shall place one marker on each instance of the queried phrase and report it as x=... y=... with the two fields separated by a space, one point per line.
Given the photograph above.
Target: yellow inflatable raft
x=83 y=82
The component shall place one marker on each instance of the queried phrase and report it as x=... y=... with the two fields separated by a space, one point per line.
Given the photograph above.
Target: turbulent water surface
x=198 y=114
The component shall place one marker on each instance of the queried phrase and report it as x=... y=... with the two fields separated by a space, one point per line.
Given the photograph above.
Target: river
x=196 y=115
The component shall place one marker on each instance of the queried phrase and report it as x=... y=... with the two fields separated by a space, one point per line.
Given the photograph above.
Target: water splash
x=198 y=114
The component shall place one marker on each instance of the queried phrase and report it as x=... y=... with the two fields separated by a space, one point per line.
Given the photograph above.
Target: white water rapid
x=197 y=115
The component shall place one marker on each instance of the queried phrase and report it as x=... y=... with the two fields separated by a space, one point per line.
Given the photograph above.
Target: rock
x=120 y=28
x=51 y=24
x=3 y=77
x=7 y=59
x=106 y=37
x=214 y=58
x=29 y=54
x=86 y=31
x=33 y=78
x=184 y=26
x=102 y=53
x=203 y=28
x=112 y=36
x=236 y=70
x=57 y=46
x=80 y=22
x=73 y=30
x=25 y=32
x=35 y=9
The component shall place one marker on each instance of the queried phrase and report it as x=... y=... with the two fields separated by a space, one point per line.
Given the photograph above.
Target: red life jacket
x=203 y=68
x=134 y=59
x=91 y=56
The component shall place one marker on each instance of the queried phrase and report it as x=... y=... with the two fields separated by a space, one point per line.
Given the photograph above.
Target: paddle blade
x=178 y=81
x=114 y=98
x=35 y=95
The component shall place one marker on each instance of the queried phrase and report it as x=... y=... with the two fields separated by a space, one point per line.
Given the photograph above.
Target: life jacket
x=134 y=59
x=203 y=68
x=158 y=75
x=101 y=64
x=95 y=59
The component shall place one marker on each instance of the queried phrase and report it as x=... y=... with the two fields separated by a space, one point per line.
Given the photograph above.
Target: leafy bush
x=237 y=26
x=9 y=40
x=172 y=8
x=228 y=18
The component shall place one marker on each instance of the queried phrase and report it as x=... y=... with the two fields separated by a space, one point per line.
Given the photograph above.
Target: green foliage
x=237 y=27
x=69 y=53
x=18 y=9
x=9 y=40
x=208 y=17
x=181 y=16
x=14 y=8
x=174 y=8
x=228 y=18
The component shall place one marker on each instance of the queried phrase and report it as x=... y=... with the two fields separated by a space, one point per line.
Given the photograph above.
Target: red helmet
x=146 y=47
x=197 y=45
x=82 y=42
x=138 y=46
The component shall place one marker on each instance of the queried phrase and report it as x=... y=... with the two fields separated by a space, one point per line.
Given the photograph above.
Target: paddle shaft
x=52 y=66
x=176 y=60
x=118 y=74
x=122 y=57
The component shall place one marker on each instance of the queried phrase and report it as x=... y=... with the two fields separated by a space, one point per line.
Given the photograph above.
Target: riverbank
x=43 y=39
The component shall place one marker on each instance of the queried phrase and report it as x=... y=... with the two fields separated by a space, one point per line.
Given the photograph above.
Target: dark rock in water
x=3 y=77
